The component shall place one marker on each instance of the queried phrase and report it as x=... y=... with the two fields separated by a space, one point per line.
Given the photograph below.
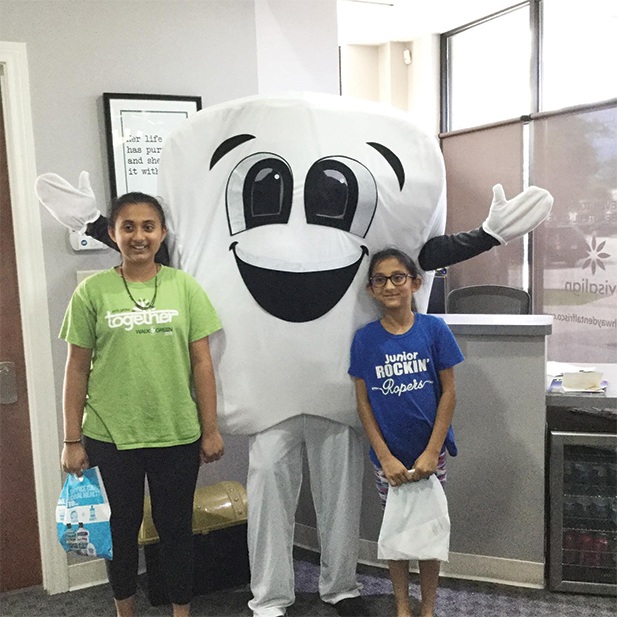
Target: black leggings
x=172 y=476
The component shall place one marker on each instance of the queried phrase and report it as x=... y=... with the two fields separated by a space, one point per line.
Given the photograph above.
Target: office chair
x=493 y=299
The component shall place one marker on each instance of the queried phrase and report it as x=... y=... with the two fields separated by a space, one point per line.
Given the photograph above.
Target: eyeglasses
x=396 y=279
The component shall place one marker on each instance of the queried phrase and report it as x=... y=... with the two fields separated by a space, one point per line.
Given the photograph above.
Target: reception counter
x=496 y=484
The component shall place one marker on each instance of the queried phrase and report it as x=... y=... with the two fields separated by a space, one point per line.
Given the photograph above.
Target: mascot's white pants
x=336 y=462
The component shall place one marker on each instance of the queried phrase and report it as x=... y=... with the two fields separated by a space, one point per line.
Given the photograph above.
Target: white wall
x=379 y=73
x=360 y=71
x=424 y=85
x=394 y=75
x=297 y=47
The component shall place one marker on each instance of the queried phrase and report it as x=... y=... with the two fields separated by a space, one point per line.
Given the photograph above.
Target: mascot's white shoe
x=352 y=607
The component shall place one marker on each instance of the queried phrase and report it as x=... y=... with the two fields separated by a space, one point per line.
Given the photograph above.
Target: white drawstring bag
x=415 y=523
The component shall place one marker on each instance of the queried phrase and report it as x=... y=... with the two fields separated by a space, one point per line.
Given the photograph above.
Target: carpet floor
x=456 y=598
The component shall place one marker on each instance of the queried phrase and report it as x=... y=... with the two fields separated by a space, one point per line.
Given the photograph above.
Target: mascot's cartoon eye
x=259 y=192
x=340 y=192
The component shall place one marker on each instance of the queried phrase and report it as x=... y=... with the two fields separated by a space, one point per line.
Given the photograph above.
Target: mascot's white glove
x=74 y=207
x=511 y=219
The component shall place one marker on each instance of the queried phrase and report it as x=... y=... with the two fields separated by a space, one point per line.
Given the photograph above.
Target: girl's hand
x=74 y=459
x=396 y=473
x=425 y=465
x=212 y=447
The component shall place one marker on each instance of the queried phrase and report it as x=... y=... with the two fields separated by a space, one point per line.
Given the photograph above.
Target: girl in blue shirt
x=403 y=370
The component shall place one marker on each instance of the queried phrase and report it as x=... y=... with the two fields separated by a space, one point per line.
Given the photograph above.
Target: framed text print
x=137 y=126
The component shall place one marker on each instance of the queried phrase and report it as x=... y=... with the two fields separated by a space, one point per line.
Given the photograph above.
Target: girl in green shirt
x=140 y=396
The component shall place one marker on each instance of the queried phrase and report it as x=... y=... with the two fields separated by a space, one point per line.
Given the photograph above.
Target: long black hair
x=134 y=198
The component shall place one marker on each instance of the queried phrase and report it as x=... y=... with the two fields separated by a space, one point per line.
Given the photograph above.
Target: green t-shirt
x=139 y=388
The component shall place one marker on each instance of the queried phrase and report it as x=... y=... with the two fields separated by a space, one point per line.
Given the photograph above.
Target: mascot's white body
x=290 y=291
x=276 y=226
x=274 y=204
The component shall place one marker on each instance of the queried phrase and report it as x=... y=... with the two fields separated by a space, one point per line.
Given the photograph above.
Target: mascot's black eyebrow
x=236 y=140
x=227 y=146
x=392 y=159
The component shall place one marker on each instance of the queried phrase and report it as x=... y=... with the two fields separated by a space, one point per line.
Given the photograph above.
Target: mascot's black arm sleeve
x=98 y=231
x=443 y=251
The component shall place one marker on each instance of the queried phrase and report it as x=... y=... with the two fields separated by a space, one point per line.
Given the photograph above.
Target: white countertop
x=500 y=325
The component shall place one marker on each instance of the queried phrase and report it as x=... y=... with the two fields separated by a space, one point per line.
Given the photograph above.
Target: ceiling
x=373 y=22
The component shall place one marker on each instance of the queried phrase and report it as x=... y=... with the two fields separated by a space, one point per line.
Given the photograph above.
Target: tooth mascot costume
x=274 y=205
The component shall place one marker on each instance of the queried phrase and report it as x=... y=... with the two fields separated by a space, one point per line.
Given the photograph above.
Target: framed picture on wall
x=136 y=126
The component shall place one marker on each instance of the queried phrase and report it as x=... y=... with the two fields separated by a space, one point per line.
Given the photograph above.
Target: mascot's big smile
x=297 y=296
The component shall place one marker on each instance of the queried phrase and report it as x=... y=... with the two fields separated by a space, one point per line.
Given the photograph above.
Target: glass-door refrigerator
x=582 y=521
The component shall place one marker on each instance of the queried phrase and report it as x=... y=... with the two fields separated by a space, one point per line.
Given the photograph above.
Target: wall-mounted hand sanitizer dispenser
x=82 y=242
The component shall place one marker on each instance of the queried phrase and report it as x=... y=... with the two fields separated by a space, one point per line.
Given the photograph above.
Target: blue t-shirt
x=401 y=372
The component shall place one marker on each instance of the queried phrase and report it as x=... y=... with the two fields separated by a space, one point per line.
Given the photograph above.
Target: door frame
x=33 y=299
